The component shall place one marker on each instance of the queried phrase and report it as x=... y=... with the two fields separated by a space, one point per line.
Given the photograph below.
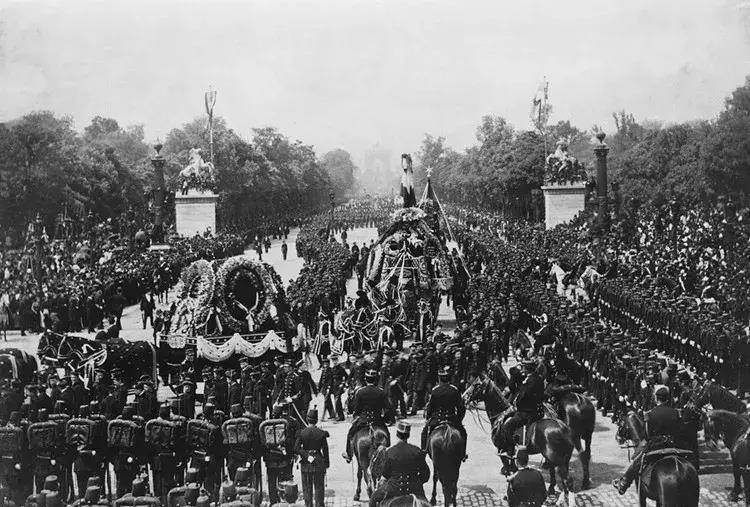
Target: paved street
x=481 y=483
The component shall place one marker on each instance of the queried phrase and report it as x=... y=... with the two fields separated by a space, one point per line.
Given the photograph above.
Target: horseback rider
x=560 y=385
x=446 y=404
x=369 y=407
x=662 y=423
x=529 y=401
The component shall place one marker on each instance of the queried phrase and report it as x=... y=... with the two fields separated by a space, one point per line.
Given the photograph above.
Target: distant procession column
x=601 y=151
x=195 y=212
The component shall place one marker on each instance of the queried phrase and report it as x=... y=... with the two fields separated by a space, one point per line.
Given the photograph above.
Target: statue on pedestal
x=198 y=174
x=562 y=169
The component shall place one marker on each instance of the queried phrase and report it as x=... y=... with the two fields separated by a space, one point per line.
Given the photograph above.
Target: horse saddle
x=667 y=451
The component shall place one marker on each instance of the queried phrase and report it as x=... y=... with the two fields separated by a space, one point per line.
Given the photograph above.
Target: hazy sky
x=352 y=73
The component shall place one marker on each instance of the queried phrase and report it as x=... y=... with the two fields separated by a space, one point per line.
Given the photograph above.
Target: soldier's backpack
x=62 y=421
x=161 y=435
x=80 y=433
x=238 y=431
x=11 y=443
x=43 y=436
x=198 y=436
x=122 y=434
x=273 y=435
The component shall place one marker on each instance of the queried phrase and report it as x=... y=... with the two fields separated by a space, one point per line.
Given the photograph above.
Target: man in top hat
x=528 y=409
x=404 y=469
x=312 y=448
x=369 y=406
x=526 y=486
x=662 y=427
x=446 y=404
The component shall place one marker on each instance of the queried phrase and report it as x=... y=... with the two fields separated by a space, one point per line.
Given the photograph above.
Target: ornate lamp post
x=601 y=151
x=157 y=235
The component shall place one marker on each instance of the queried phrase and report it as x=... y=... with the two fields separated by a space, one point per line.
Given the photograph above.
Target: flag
x=210 y=100
x=539 y=103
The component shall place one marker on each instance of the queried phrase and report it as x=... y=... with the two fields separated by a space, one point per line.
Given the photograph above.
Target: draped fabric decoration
x=236 y=344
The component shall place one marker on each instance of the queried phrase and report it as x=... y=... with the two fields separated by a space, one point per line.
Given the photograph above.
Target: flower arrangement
x=408 y=215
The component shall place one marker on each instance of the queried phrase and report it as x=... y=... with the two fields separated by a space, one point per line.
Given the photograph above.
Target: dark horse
x=719 y=397
x=577 y=411
x=548 y=436
x=446 y=447
x=364 y=443
x=733 y=430
x=671 y=480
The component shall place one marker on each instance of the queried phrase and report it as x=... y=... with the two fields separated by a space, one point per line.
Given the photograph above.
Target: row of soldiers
x=215 y=445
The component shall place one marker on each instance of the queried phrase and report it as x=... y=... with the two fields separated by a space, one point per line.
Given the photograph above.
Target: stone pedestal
x=562 y=203
x=195 y=212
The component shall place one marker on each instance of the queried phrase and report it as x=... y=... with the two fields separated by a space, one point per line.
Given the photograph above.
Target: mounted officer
x=662 y=424
x=529 y=401
x=446 y=404
x=404 y=469
x=369 y=407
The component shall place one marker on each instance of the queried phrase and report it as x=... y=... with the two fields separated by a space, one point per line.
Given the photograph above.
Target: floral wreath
x=408 y=215
x=224 y=285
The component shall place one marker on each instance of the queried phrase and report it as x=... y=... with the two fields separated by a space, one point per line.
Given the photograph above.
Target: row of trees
x=47 y=166
x=696 y=161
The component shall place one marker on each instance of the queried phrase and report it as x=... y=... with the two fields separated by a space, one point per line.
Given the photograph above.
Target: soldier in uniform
x=528 y=409
x=404 y=469
x=145 y=399
x=161 y=435
x=127 y=451
x=312 y=448
x=44 y=443
x=89 y=457
x=13 y=466
x=662 y=424
x=525 y=487
x=338 y=385
x=370 y=406
x=279 y=461
x=446 y=404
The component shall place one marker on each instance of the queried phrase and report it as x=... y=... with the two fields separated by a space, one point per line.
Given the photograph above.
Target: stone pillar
x=195 y=211
x=562 y=203
x=157 y=235
x=601 y=151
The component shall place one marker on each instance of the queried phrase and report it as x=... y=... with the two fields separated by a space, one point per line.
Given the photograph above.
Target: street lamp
x=38 y=252
x=157 y=235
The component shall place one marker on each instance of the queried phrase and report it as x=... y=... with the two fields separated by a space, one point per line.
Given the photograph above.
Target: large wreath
x=238 y=271
x=198 y=282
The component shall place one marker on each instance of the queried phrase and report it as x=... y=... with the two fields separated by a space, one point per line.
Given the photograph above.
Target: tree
x=340 y=169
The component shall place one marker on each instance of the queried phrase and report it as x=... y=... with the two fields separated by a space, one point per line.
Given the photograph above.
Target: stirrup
x=346 y=457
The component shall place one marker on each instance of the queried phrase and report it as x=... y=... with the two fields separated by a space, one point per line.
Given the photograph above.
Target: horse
x=580 y=415
x=734 y=430
x=446 y=448
x=364 y=442
x=671 y=481
x=719 y=397
x=405 y=501
x=549 y=437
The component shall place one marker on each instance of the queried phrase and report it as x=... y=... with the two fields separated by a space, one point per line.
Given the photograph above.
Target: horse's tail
x=447 y=448
x=678 y=483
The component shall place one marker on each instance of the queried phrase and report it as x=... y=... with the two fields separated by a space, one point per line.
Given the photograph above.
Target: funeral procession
x=392 y=254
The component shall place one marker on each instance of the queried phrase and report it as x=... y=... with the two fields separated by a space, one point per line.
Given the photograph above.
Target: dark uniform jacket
x=371 y=402
x=405 y=469
x=662 y=421
x=526 y=485
x=446 y=402
x=312 y=448
x=530 y=394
